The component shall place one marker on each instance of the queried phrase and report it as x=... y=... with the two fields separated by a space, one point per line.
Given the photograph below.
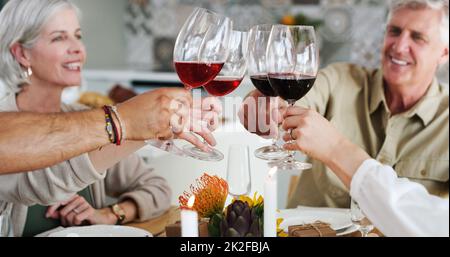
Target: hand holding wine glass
x=201 y=120
x=200 y=53
x=172 y=108
x=293 y=64
x=258 y=42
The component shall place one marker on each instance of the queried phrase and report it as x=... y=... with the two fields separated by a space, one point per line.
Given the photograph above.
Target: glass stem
x=274 y=142
x=275 y=139
x=291 y=154
x=364 y=233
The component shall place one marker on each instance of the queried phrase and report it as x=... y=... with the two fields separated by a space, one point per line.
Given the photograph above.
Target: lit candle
x=189 y=220
x=270 y=204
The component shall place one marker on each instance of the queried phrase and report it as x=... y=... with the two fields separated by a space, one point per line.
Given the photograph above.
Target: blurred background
x=128 y=41
x=140 y=34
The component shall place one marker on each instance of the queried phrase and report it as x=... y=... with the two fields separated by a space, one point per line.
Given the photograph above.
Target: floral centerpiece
x=210 y=193
x=244 y=217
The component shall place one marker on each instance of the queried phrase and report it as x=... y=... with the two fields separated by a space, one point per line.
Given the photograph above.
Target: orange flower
x=211 y=194
x=288 y=20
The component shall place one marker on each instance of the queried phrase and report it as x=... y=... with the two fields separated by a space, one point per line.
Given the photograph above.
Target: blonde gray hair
x=22 y=21
x=441 y=5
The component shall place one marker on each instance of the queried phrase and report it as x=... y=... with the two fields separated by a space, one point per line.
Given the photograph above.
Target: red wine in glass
x=291 y=87
x=222 y=86
x=195 y=74
x=261 y=82
x=292 y=66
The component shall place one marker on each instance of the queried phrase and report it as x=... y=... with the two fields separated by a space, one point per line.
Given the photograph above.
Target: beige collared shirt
x=415 y=143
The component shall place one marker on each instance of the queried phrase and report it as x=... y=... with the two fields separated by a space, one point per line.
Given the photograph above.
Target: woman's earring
x=27 y=73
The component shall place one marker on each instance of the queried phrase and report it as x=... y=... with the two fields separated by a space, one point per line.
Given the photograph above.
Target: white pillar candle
x=189 y=220
x=270 y=204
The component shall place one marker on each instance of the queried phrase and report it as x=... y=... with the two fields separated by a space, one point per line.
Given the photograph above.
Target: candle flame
x=273 y=172
x=191 y=202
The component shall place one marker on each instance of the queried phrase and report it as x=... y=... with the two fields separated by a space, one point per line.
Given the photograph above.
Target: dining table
x=157 y=225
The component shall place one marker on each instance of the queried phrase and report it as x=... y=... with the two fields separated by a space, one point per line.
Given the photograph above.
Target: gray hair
x=441 y=5
x=22 y=21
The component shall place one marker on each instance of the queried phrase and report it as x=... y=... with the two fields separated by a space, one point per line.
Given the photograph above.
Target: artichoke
x=241 y=220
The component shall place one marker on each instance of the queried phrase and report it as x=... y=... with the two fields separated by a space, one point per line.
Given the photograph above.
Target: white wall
x=103 y=32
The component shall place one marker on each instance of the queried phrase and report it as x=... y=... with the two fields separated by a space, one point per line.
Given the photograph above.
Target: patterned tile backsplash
x=352 y=30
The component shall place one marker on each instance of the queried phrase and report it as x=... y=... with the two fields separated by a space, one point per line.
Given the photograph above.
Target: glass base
x=168 y=146
x=196 y=153
x=290 y=164
x=271 y=153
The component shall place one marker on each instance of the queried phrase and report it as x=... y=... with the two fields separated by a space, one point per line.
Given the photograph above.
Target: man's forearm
x=32 y=141
x=110 y=155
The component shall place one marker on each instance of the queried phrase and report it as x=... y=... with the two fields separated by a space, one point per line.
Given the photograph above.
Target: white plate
x=349 y=230
x=338 y=220
x=101 y=231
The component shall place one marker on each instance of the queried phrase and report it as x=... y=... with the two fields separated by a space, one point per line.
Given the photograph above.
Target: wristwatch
x=119 y=212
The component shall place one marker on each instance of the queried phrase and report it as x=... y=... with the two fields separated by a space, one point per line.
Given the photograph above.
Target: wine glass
x=234 y=69
x=293 y=64
x=360 y=220
x=238 y=170
x=6 y=228
x=201 y=51
x=257 y=69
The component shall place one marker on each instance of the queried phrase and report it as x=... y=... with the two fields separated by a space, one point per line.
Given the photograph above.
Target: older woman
x=41 y=53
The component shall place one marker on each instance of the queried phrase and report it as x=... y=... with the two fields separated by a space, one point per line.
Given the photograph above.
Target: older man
x=398 y=114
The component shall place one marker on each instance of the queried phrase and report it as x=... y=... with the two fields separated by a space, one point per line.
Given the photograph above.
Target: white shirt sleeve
x=398 y=207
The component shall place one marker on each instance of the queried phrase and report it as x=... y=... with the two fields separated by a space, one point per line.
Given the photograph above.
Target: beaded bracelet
x=116 y=128
x=121 y=124
x=109 y=126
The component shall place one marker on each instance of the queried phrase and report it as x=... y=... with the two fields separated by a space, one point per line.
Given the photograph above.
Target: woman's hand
x=317 y=138
x=77 y=211
x=311 y=134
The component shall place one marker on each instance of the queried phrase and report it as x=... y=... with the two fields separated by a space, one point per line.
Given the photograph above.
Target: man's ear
x=444 y=56
x=20 y=55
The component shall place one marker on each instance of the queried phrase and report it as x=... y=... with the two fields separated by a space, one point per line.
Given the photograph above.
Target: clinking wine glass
x=360 y=220
x=257 y=69
x=293 y=64
x=232 y=73
x=201 y=51
x=202 y=32
x=234 y=69
x=238 y=171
